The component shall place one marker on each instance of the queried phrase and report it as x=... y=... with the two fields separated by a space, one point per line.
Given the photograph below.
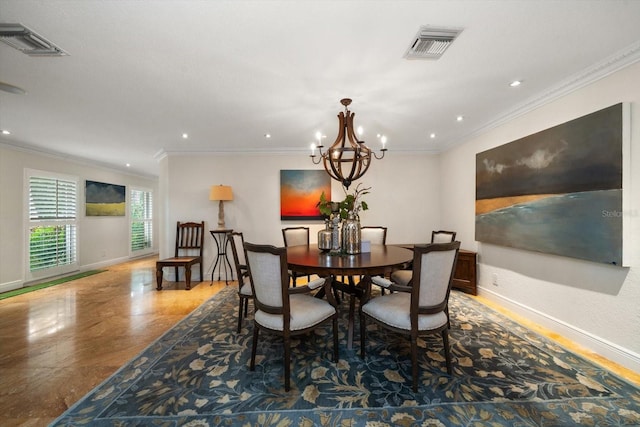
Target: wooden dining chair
x=284 y=310
x=416 y=310
x=295 y=236
x=443 y=236
x=375 y=234
x=242 y=273
x=404 y=276
x=188 y=252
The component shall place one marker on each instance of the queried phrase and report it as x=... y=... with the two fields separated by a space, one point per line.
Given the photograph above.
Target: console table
x=464 y=277
x=222 y=261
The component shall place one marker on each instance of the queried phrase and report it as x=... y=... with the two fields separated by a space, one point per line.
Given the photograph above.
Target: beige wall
x=404 y=195
x=595 y=304
x=101 y=240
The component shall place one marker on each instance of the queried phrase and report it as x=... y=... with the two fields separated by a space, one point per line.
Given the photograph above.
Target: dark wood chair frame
x=384 y=240
x=242 y=271
x=416 y=309
x=285 y=310
x=294 y=274
x=189 y=237
x=436 y=232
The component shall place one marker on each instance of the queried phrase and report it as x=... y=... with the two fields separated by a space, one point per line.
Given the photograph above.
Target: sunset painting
x=558 y=191
x=300 y=192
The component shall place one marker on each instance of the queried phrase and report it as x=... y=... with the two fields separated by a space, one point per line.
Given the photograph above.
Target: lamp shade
x=220 y=192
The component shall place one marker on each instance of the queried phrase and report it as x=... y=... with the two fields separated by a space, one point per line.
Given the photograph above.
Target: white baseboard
x=599 y=345
x=103 y=264
x=10 y=286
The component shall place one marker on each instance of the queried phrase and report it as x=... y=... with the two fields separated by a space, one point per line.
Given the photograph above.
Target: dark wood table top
x=411 y=245
x=381 y=260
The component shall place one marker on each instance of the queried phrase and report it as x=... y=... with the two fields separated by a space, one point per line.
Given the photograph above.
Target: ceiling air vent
x=27 y=41
x=431 y=42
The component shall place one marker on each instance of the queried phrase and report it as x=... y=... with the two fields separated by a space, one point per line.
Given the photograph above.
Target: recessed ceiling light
x=5 y=132
x=128 y=165
x=185 y=136
x=267 y=135
x=515 y=83
x=432 y=135
x=460 y=118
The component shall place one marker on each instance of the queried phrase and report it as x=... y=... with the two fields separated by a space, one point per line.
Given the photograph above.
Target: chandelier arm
x=383 y=150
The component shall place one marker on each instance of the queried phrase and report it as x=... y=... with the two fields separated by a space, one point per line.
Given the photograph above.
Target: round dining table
x=380 y=261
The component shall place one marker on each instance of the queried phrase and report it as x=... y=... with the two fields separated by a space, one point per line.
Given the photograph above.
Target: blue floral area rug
x=197 y=374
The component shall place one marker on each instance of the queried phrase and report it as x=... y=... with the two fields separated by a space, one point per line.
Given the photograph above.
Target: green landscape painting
x=103 y=199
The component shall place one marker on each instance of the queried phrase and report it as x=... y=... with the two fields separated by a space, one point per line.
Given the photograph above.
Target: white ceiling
x=141 y=72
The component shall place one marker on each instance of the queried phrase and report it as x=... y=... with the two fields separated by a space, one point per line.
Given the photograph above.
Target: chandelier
x=348 y=158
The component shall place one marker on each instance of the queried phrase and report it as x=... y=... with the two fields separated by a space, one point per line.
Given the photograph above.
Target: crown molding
x=616 y=62
x=70 y=158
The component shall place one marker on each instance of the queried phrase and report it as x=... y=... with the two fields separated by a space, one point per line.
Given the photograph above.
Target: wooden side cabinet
x=465 y=278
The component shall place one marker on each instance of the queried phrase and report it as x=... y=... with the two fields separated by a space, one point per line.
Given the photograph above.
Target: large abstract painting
x=558 y=191
x=102 y=199
x=300 y=192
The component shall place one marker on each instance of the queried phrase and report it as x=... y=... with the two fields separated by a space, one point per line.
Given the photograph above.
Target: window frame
x=60 y=269
x=148 y=221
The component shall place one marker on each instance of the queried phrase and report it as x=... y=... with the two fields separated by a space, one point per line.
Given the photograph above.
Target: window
x=52 y=224
x=141 y=221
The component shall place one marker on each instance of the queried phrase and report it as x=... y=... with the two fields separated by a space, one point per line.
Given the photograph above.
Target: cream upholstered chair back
x=268 y=277
x=443 y=236
x=433 y=269
x=295 y=236
x=375 y=234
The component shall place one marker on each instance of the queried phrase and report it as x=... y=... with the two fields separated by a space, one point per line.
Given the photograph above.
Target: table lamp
x=221 y=193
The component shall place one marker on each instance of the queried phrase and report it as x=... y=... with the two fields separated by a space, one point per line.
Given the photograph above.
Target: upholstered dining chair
x=403 y=277
x=295 y=236
x=284 y=310
x=242 y=272
x=442 y=236
x=188 y=252
x=420 y=309
x=377 y=235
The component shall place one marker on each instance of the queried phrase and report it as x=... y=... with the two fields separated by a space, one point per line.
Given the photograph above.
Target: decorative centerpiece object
x=351 y=234
x=335 y=231
x=346 y=238
x=324 y=237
